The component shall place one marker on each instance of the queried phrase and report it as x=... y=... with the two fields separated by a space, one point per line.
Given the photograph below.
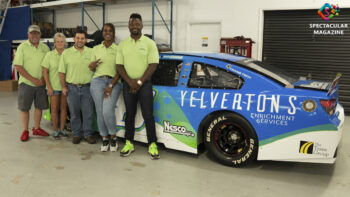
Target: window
x=269 y=70
x=208 y=76
x=167 y=73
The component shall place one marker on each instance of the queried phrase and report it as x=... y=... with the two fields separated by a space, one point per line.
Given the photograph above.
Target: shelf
x=51 y=6
x=59 y=4
x=44 y=40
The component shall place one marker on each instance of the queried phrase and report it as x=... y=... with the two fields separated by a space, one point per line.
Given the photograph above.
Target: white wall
x=237 y=17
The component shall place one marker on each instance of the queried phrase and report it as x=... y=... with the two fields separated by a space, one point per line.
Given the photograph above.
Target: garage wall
x=236 y=17
x=245 y=17
x=290 y=44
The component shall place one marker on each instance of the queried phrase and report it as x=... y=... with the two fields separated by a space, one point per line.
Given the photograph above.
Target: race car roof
x=222 y=56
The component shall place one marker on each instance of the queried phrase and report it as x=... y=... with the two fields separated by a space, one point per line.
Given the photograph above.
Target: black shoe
x=91 y=139
x=76 y=140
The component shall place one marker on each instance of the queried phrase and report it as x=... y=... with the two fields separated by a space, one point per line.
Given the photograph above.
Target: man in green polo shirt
x=75 y=78
x=31 y=88
x=137 y=59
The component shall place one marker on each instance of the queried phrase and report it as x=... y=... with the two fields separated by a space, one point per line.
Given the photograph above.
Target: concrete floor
x=43 y=167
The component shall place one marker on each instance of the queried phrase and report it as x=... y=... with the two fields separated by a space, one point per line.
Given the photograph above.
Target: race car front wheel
x=231 y=139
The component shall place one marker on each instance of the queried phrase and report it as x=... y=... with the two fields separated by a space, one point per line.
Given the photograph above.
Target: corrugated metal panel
x=290 y=43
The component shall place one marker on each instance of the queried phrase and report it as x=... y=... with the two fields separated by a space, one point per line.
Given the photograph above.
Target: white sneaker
x=105 y=146
x=113 y=146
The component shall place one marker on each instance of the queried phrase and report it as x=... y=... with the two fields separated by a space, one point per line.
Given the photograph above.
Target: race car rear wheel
x=231 y=139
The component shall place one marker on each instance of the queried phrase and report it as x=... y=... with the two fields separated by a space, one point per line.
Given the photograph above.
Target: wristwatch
x=110 y=85
x=139 y=82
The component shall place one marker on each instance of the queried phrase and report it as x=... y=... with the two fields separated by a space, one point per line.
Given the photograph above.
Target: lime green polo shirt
x=30 y=58
x=51 y=61
x=76 y=65
x=107 y=56
x=136 y=56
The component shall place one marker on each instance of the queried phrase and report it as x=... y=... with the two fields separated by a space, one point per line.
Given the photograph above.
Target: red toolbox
x=237 y=46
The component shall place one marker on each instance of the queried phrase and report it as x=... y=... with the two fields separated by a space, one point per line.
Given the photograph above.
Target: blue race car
x=241 y=110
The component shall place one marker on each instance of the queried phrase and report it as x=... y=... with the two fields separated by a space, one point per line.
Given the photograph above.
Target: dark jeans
x=145 y=97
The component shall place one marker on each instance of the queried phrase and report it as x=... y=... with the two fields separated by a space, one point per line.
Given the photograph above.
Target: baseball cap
x=34 y=28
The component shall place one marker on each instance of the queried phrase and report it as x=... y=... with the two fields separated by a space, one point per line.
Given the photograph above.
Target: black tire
x=231 y=139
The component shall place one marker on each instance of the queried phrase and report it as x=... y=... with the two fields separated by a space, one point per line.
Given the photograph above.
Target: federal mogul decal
x=181 y=130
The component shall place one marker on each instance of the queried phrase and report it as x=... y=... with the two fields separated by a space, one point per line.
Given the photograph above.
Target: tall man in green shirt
x=75 y=78
x=31 y=88
x=137 y=59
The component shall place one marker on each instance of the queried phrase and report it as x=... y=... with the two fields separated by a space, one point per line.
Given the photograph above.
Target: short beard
x=135 y=34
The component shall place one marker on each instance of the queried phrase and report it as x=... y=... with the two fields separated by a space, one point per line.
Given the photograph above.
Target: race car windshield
x=270 y=70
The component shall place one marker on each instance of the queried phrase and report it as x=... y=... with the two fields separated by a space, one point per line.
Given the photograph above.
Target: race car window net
x=271 y=71
x=208 y=76
x=167 y=73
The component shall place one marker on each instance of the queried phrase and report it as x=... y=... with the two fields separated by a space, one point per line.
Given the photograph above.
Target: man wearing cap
x=31 y=88
x=75 y=77
x=137 y=59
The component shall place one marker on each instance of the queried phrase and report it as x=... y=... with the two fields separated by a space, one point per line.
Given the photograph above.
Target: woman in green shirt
x=58 y=101
x=105 y=88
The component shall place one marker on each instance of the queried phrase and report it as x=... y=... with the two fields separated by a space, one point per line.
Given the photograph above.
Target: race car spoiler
x=329 y=87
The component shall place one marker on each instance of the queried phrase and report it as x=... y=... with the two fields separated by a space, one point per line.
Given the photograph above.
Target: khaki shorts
x=27 y=94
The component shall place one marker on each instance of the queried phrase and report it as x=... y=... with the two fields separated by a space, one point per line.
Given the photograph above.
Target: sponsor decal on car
x=234 y=101
x=306 y=147
x=315 y=148
x=175 y=57
x=181 y=130
x=309 y=105
x=272 y=119
x=229 y=66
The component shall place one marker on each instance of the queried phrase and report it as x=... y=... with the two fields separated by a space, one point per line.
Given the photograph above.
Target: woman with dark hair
x=105 y=87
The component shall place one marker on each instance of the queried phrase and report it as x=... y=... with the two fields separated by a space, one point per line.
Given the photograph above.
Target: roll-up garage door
x=304 y=44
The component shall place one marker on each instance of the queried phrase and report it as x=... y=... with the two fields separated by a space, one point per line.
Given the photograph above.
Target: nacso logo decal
x=307 y=147
x=181 y=130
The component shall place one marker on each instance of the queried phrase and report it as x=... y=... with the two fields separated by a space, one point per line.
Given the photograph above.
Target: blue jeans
x=79 y=98
x=105 y=107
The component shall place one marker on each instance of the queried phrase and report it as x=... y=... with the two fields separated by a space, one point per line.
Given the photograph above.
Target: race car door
x=173 y=127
